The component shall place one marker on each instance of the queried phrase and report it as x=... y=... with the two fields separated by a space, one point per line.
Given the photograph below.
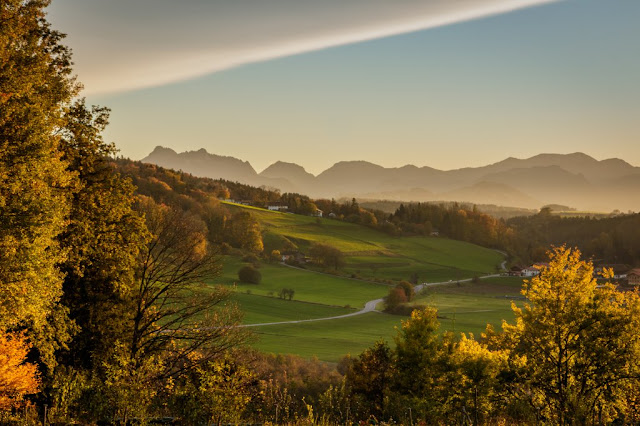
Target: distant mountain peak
x=292 y=172
x=162 y=150
x=574 y=178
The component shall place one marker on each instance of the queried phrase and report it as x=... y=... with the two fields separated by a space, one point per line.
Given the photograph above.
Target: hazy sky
x=316 y=82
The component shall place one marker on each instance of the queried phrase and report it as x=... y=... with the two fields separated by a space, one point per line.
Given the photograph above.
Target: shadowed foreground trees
x=176 y=312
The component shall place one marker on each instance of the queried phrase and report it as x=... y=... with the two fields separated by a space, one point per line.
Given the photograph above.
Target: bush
x=250 y=258
x=395 y=298
x=249 y=274
x=408 y=290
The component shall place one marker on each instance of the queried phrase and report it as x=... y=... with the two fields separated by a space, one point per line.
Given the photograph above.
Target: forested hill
x=614 y=239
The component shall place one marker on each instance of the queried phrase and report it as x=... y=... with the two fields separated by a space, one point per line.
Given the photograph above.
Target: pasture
x=370 y=256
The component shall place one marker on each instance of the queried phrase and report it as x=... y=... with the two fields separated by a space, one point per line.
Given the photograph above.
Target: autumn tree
x=394 y=299
x=217 y=391
x=243 y=231
x=35 y=87
x=177 y=312
x=574 y=347
x=475 y=372
x=408 y=290
x=327 y=256
x=17 y=378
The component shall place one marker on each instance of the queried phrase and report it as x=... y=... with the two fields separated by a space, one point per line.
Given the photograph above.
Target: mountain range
x=577 y=180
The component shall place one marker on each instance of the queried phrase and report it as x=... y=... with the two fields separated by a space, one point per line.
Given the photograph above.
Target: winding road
x=370 y=306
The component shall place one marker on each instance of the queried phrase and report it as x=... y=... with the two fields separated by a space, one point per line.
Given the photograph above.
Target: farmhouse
x=633 y=277
x=533 y=270
x=530 y=271
x=278 y=207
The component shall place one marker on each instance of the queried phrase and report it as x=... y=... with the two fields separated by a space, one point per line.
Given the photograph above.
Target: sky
x=438 y=83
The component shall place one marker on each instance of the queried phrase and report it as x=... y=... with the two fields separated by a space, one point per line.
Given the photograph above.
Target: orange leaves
x=17 y=378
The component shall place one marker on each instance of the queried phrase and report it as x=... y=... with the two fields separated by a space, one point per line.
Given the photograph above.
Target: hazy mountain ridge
x=573 y=179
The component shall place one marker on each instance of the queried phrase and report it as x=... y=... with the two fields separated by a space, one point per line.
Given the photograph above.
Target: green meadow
x=309 y=286
x=376 y=255
x=371 y=257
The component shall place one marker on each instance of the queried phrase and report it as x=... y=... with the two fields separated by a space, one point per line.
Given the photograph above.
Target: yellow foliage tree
x=17 y=378
x=574 y=347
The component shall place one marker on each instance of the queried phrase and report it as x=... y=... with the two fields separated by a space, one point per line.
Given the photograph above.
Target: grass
x=309 y=286
x=373 y=254
x=328 y=340
x=465 y=308
x=261 y=309
x=469 y=307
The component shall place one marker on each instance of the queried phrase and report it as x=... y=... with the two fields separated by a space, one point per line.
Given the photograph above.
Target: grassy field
x=309 y=286
x=261 y=309
x=373 y=254
x=369 y=254
x=469 y=307
x=328 y=340
x=461 y=308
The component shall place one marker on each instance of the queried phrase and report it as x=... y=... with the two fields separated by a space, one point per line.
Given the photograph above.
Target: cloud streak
x=124 y=45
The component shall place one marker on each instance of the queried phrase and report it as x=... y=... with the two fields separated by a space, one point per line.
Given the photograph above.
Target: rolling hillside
x=375 y=259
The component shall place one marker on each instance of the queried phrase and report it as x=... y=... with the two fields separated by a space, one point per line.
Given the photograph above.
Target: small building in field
x=533 y=270
x=318 y=213
x=277 y=207
x=530 y=271
x=633 y=276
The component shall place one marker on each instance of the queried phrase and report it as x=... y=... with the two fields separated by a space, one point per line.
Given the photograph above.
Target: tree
x=370 y=376
x=17 y=378
x=286 y=293
x=475 y=373
x=219 y=392
x=327 y=256
x=249 y=274
x=408 y=290
x=419 y=353
x=574 y=348
x=35 y=88
x=103 y=239
x=244 y=232
x=176 y=314
x=394 y=299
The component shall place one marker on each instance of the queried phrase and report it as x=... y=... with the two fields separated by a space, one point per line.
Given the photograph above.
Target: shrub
x=250 y=258
x=407 y=288
x=249 y=274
